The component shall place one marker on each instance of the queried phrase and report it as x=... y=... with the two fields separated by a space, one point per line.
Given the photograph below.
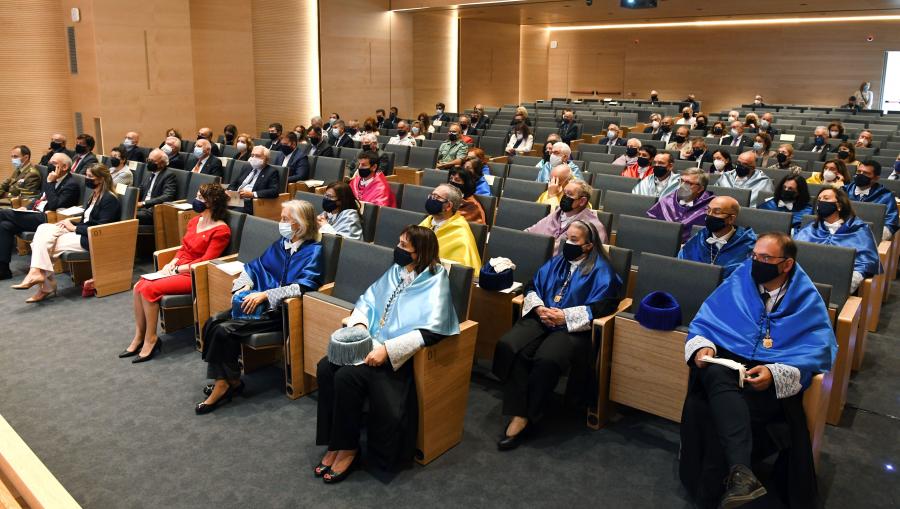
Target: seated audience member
x=837 y=225
x=847 y=152
x=865 y=187
x=84 y=154
x=470 y=208
x=207 y=163
x=758 y=101
x=865 y=98
x=654 y=97
x=341 y=212
x=59 y=191
x=120 y=173
x=762 y=149
x=687 y=205
x=205 y=238
x=455 y=239
x=25 y=180
x=732 y=116
x=171 y=147
x=274 y=133
x=895 y=174
x=629 y=158
x=720 y=242
x=819 y=142
x=521 y=140
x=369 y=127
x=381 y=121
x=465 y=129
x=369 y=184
x=339 y=136
x=864 y=140
x=613 y=136
x=369 y=143
x=834 y=173
x=318 y=144
x=785 y=161
x=746 y=176
x=475 y=165
x=663 y=181
x=421 y=127
x=553 y=336
x=568 y=129
x=665 y=130
x=439 y=114
x=769 y=317
x=244 y=145
x=132 y=151
x=557 y=154
x=159 y=186
x=259 y=180
x=687 y=117
x=290 y=267
x=653 y=126
x=765 y=125
x=791 y=195
x=332 y=118
x=300 y=131
x=560 y=177
x=452 y=152
x=721 y=161
x=404 y=136
x=295 y=159
x=171 y=133
x=751 y=122
x=836 y=131
x=851 y=104
x=51 y=240
x=680 y=142
x=229 y=134
x=574 y=206
x=702 y=123
x=641 y=168
x=717 y=131
x=736 y=136
x=390 y=312
x=205 y=133
x=522 y=112
x=480 y=121
x=393 y=118
x=57 y=146
x=699 y=152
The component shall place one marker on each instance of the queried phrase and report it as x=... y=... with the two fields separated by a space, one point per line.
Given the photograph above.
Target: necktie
x=196 y=168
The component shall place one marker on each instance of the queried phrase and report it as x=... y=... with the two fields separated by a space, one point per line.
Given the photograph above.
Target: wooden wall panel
x=533 y=60
x=222 y=45
x=402 y=79
x=488 y=63
x=286 y=75
x=84 y=87
x=725 y=66
x=34 y=77
x=434 y=60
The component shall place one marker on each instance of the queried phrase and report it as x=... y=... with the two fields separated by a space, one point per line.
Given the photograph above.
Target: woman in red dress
x=206 y=238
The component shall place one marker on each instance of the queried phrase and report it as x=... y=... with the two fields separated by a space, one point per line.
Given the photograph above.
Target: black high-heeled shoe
x=125 y=353
x=337 y=477
x=238 y=389
x=321 y=469
x=156 y=348
x=204 y=408
x=508 y=443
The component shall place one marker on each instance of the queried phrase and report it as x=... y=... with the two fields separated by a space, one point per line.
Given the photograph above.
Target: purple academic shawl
x=669 y=209
x=554 y=226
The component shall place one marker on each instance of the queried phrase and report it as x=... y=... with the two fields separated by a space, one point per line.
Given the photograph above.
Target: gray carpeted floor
x=119 y=435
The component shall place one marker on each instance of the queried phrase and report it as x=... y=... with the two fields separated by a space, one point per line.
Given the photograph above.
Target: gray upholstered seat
x=390 y=223
x=527 y=250
x=645 y=235
x=329 y=169
x=689 y=282
x=519 y=214
x=831 y=265
x=762 y=221
x=523 y=189
x=741 y=195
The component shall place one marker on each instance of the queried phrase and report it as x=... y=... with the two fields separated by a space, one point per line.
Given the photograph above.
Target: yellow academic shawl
x=456 y=241
x=553 y=201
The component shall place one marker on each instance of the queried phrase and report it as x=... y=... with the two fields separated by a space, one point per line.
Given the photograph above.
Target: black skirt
x=222 y=336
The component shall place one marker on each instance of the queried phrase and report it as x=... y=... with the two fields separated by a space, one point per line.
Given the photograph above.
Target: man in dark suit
x=381 y=121
x=665 y=130
x=318 y=145
x=295 y=159
x=159 y=185
x=737 y=138
x=207 y=163
x=84 y=154
x=275 y=130
x=57 y=146
x=439 y=113
x=568 y=129
x=132 y=151
x=341 y=138
x=613 y=136
x=465 y=127
x=699 y=152
x=479 y=119
x=393 y=118
x=205 y=133
x=819 y=142
x=58 y=192
x=765 y=125
x=259 y=180
x=172 y=149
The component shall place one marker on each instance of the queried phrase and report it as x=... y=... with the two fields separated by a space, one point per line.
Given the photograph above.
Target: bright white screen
x=890 y=92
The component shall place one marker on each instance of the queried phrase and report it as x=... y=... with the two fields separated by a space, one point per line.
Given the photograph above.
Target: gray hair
x=584 y=189
x=159 y=154
x=562 y=147
x=265 y=152
x=303 y=212
x=62 y=158
x=702 y=176
x=369 y=138
x=454 y=196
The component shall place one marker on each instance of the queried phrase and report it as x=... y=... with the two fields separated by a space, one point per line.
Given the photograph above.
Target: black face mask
x=701 y=124
x=380 y=118
x=862 y=180
x=314 y=140
x=433 y=206
x=566 y=203
x=114 y=162
x=664 y=128
x=198 y=205
x=55 y=146
x=546 y=155
x=717 y=130
x=698 y=152
x=152 y=167
x=329 y=205
x=660 y=171
x=364 y=172
x=654 y=98
x=80 y=149
x=825 y=209
x=401 y=134
x=820 y=140
x=465 y=190
x=90 y=183
x=452 y=136
x=229 y=137
x=782 y=158
x=285 y=149
x=631 y=151
x=686 y=115
x=764 y=272
x=643 y=162
x=742 y=170
x=714 y=224
x=842 y=155
x=273 y=136
x=464 y=126
x=678 y=138
x=402 y=257
x=571 y=252
x=789 y=195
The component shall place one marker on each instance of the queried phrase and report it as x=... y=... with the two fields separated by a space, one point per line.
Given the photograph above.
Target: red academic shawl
x=376 y=192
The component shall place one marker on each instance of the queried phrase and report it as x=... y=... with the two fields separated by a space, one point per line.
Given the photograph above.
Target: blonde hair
x=302 y=212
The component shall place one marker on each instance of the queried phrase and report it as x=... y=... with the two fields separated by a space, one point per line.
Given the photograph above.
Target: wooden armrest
x=162 y=257
x=850 y=309
x=327 y=288
x=226 y=258
x=112 y=248
x=519 y=300
x=391 y=178
x=624 y=304
x=499 y=159
x=269 y=208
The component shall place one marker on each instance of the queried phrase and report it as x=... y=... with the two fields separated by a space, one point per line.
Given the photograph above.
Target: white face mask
x=735 y=133
x=757 y=146
x=829 y=175
x=415 y=130
x=655 y=124
x=611 y=134
x=198 y=152
x=555 y=160
x=439 y=111
x=167 y=149
x=285 y=230
x=732 y=119
x=241 y=146
x=764 y=123
x=128 y=143
x=834 y=134
x=719 y=164
x=335 y=131
x=255 y=162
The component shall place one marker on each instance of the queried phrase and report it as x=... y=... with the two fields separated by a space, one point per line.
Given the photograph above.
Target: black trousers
x=538 y=358
x=145 y=216
x=13 y=223
x=222 y=338
x=735 y=411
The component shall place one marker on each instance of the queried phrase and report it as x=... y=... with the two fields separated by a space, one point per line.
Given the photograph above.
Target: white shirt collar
x=786 y=204
x=686 y=203
x=293 y=246
x=720 y=241
x=835 y=226
x=862 y=192
x=436 y=223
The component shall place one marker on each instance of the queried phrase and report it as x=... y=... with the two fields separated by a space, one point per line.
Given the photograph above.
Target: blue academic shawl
x=730 y=257
x=583 y=290
x=879 y=194
x=755 y=182
x=734 y=317
x=278 y=267
x=425 y=304
x=853 y=233
x=482 y=187
x=797 y=213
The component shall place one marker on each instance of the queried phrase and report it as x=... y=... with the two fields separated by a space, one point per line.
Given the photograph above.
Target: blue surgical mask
x=735 y=133
x=285 y=230
x=610 y=134
x=198 y=152
x=16 y=163
x=127 y=143
x=757 y=146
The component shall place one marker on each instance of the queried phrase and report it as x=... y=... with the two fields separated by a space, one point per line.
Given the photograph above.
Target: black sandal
x=337 y=477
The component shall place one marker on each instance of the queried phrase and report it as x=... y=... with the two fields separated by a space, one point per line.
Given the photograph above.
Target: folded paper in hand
x=155 y=275
x=728 y=363
x=71 y=211
x=231 y=268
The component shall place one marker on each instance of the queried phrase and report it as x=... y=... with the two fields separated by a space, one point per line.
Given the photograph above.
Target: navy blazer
x=64 y=195
x=298 y=167
x=164 y=189
x=86 y=162
x=135 y=154
x=266 y=185
x=568 y=132
x=617 y=142
x=177 y=161
x=213 y=166
x=107 y=210
x=344 y=141
x=323 y=149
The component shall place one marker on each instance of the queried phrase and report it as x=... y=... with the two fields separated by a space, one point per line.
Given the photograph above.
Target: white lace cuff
x=786 y=379
x=327 y=228
x=241 y=281
x=276 y=295
x=694 y=344
x=531 y=301
x=855 y=281
x=403 y=347
x=886 y=234
x=578 y=318
x=357 y=317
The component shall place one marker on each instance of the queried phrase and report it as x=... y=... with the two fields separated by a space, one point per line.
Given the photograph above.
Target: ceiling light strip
x=727 y=22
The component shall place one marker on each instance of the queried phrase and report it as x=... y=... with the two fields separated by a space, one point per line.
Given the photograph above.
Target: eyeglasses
x=438 y=198
x=765 y=258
